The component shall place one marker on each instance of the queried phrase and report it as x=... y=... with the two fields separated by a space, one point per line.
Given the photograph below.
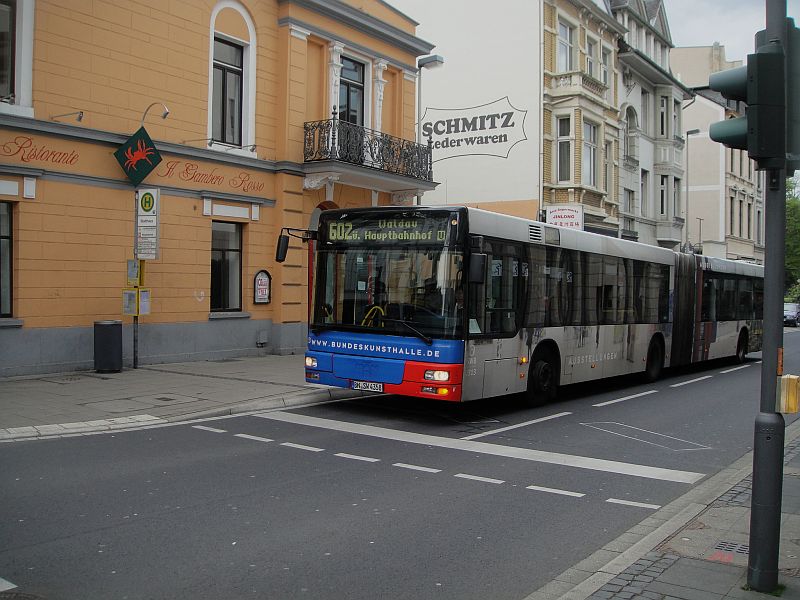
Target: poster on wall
x=262 y=287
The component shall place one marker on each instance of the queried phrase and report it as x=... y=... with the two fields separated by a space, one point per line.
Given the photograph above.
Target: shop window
x=5 y=259
x=16 y=57
x=226 y=266
x=227 y=96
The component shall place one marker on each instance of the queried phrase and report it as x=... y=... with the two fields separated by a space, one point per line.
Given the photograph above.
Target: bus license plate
x=369 y=386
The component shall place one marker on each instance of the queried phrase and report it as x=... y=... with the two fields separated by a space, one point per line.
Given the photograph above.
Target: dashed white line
x=357 y=457
x=252 y=437
x=417 y=468
x=548 y=490
x=691 y=381
x=625 y=398
x=478 y=478
x=302 y=447
x=636 y=504
x=502 y=429
x=214 y=429
x=734 y=369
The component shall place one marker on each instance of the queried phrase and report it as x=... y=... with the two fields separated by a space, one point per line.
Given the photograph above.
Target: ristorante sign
x=89 y=159
x=491 y=129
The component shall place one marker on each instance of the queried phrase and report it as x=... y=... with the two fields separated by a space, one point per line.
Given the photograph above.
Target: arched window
x=232 y=79
x=631 y=132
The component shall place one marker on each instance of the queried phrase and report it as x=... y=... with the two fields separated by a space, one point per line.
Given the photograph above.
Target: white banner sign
x=566 y=216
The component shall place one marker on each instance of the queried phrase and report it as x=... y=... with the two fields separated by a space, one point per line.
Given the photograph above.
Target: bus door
x=494 y=310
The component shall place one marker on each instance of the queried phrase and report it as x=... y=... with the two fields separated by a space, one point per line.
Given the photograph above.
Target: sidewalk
x=695 y=548
x=38 y=406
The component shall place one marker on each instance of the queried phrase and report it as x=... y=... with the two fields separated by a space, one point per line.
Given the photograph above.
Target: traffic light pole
x=765 y=508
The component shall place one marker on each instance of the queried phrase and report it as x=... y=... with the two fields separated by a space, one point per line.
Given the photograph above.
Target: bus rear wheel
x=741 y=348
x=655 y=361
x=543 y=379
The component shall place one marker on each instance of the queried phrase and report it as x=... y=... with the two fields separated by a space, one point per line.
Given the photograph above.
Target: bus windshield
x=408 y=291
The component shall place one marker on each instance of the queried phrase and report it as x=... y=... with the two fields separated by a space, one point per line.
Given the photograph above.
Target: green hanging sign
x=138 y=156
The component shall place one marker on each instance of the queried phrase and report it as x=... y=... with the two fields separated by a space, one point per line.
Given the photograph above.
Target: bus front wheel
x=741 y=348
x=655 y=361
x=543 y=379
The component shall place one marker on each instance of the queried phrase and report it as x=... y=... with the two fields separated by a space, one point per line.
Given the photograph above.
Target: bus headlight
x=311 y=362
x=437 y=375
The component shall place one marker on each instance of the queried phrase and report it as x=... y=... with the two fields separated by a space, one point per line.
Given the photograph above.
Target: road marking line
x=695 y=445
x=356 y=457
x=214 y=429
x=252 y=437
x=493 y=431
x=301 y=447
x=734 y=369
x=691 y=381
x=477 y=478
x=538 y=488
x=6 y=585
x=416 y=468
x=625 y=398
x=557 y=458
x=636 y=504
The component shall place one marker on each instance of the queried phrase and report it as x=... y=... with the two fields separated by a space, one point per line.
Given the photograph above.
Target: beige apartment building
x=263 y=112
x=580 y=111
x=725 y=201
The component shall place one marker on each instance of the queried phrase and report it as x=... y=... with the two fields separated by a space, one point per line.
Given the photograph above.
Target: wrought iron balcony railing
x=334 y=139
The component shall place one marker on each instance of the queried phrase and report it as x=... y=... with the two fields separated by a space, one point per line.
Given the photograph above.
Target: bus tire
x=655 y=360
x=542 y=378
x=741 y=347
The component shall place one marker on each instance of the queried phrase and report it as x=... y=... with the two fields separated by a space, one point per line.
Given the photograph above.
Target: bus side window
x=745 y=305
x=708 y=310
x=758 y=298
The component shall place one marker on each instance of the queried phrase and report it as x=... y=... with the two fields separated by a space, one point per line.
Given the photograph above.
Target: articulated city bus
x=459 y=304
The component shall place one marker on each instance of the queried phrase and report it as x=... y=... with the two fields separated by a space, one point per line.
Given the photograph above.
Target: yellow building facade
x=264 y=113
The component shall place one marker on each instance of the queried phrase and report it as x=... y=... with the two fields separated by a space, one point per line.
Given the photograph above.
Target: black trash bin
x=108 y=346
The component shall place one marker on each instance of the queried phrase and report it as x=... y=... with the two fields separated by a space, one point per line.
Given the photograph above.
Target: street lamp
x=424 y=62
x=686 y=174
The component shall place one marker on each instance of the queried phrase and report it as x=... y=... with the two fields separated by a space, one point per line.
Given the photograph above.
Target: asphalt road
x=386 y=497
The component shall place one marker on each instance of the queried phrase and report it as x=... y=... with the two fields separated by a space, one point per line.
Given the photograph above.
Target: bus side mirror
x=477 y=268
x=283 y=247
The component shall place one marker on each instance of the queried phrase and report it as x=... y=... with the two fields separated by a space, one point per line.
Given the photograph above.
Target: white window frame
x=643 y=195
x=644 y=123
x=662 y=194
x=23 y=62
x=564 y=142
x=591 y=56
x=676 y=196
x=589 y=156
x=605 y=66
x=568 y=44
x=249 y=53
x=663 y=108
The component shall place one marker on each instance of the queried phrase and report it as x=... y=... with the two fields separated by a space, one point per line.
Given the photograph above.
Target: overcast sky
x=732 y=23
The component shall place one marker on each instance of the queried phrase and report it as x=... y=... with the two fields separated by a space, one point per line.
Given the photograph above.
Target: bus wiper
x=418 y=333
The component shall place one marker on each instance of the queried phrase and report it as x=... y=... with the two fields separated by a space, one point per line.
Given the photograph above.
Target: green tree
x=792 y=260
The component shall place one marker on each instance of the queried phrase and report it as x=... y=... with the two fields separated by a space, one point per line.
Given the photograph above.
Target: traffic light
x=792 y=98
x=761 y=85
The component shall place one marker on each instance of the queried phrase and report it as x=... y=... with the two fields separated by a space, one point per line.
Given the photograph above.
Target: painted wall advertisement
x=481 y=109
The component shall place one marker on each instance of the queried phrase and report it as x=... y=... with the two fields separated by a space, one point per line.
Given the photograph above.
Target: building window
x=643 y=192
x=227 y=96
x=676 y=119
x=351 y=92
x=605 y=67
x=564 y=58
x=749 y=220
x=628 y=201
x=226 y=266
x=589 y=158
x=5 y=259
x=741 y=217
x=758 y=227
x=676 y=197
x=607 y=149
x=645 y=124
x=591 y=56
x=564 y=154
x=8 y=19
x=662 y=116
x=662 y=195
x=732 y=209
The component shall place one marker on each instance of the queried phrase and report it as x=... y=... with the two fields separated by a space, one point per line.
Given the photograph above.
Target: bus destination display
x=389 y=231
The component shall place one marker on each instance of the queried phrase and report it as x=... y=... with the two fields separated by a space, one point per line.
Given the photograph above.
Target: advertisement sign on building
x=138 y=156
x=570 y=215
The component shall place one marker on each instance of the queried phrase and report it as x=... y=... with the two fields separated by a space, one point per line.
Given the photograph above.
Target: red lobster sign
x=138 y=156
